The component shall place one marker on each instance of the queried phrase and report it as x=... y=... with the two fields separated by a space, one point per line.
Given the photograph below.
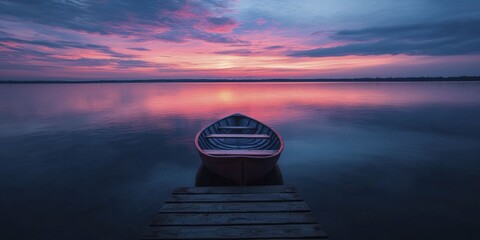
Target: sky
x=244 y=39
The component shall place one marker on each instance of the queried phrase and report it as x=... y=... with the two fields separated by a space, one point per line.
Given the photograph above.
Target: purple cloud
x=127 y=18
x=236 y=52
x=446 y=38
x=66 y=44
x=112 y=62
x=139 y=49
x=221 y=21
x=273 y=47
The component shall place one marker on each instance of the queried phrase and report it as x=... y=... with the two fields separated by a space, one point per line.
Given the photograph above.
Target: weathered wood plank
x=244 y=197
x=238 y=136
x=260 y=212
x=234 y=207
x=203 y=219
x=226 y=190
x=237 y=127
x=297 y=231
x=241 y=152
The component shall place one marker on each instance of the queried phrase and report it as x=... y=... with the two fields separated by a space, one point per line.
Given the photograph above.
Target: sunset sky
x=141 y=39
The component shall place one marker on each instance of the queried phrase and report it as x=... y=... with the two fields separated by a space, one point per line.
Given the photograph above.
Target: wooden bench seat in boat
x=237 y=127
x=238 y=136
x=241 y=152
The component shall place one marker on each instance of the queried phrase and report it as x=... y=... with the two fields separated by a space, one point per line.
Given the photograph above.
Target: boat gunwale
x=280 y=149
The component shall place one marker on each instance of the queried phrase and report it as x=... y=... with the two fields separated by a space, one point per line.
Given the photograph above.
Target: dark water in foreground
x=373 y=160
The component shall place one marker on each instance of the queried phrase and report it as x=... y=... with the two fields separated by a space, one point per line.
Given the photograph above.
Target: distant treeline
x=407 y=79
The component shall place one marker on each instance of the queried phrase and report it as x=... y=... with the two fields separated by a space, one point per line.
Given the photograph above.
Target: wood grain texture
x=237 y=127
x=238 y=136
x=297 y=231
x=241 y=152
x=235 y=190
x=205 y=219
x=243 y=197
x=234 y=207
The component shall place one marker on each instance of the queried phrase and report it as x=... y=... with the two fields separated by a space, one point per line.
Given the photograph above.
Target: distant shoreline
x=409 y=79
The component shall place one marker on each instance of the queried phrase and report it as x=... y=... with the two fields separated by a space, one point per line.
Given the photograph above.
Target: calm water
x=373 y=160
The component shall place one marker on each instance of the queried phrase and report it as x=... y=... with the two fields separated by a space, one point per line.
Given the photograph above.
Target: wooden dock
x=257 y=212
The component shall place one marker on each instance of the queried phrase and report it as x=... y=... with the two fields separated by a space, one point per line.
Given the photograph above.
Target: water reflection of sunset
x=265 y=101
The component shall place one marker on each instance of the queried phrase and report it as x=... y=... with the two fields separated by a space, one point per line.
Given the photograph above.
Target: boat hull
x=207 y=178
x=240 y=169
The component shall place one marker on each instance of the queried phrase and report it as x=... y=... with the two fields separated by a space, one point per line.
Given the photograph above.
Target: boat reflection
x=207 y=178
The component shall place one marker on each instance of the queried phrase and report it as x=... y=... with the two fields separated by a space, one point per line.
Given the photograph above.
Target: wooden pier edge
x=252 y=212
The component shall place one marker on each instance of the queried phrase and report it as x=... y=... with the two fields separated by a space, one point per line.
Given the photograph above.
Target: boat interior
x=239 y=135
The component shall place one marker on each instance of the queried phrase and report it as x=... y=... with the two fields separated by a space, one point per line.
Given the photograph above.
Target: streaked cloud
x=139 y=49
x=140 y=20
x=237 y=39
x=236 y=52
x=67 y=44
x=455 y=37
x=274 y=47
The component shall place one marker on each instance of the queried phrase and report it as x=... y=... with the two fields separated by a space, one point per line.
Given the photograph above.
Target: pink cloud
x=218 y=24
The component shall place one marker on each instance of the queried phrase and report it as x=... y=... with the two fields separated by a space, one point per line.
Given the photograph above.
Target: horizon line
x=229 y=80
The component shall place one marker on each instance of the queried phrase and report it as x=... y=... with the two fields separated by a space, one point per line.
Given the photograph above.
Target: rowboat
x=239 y=148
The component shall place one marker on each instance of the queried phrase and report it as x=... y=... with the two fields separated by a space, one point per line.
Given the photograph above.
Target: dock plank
x=206 y=219
x=235 y=190
x=297 y=231
x=243 y=197
x=234 y=207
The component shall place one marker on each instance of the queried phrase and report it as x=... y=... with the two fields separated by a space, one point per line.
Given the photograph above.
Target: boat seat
x=238 y=136
x=237 y=127
x=241 y=152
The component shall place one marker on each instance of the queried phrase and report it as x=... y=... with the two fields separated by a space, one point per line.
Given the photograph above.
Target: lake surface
x=373 y=160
